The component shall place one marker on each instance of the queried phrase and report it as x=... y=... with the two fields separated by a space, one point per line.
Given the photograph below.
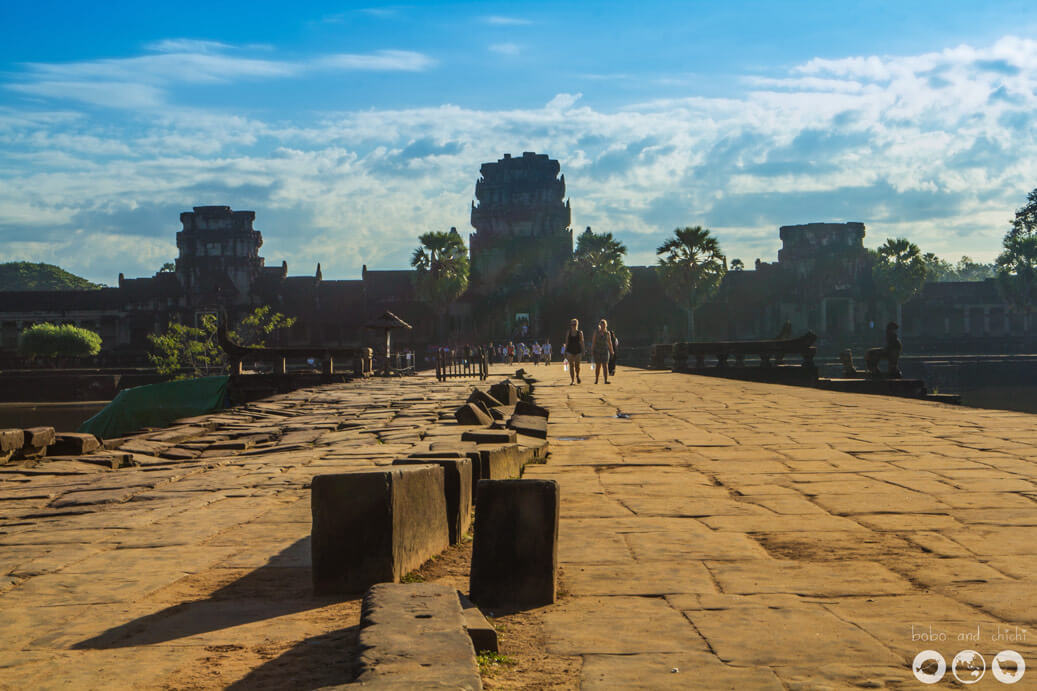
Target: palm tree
x=596 y=271
x=441 y=263
x=1017 y=263
x=899 y=271
x=692 y=267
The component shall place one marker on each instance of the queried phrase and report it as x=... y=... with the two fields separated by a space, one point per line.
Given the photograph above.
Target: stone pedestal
x=457 y=486
x=375 y=527
x=515 y=552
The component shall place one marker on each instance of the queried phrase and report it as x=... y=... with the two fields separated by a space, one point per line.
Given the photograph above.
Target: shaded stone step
x=413 y=636
x=481 y=631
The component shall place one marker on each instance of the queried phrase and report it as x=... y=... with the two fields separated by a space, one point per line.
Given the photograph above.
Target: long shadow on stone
x=278 y=588
x=314 y=663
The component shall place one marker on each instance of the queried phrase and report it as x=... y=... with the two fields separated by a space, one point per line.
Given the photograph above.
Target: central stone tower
x=219 y=255
x=521 y=222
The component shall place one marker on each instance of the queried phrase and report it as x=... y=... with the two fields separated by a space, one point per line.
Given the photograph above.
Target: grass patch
x=413 y=577
x=488 y=661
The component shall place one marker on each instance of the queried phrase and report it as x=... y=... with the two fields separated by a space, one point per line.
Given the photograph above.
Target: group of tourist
x=604 y=343
x=512 y=352
x=603 y=351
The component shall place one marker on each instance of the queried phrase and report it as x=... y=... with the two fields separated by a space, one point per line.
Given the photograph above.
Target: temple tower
x=219 y=256
x=521 y=223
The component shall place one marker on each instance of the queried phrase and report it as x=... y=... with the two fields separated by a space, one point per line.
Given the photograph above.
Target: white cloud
x=141 y=82
x=382 y=60
x=498 y=20
x=506 y=48
x=940 y=147
x=186 y=45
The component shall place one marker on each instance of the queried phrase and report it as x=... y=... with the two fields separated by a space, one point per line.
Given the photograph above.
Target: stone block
x=35 y=443
x=11 y=440
x=457 y=486
x=515 y=550
x=73 y=444
x=505 y=392
x=375 y=526
x=485 y=398
x=524 y=408
x=489 y=436
x=483 y=407
x=501 y=461
x=38 y=437
x=482 y=633
x=413 y=636
x=471 y=414
x=530 y=425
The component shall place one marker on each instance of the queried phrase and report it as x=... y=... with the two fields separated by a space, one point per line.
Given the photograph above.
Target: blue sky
x=352 y=128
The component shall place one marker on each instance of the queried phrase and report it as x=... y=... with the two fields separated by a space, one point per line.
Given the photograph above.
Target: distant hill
x=29 y=276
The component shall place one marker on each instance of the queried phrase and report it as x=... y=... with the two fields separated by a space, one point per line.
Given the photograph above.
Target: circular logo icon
x=929 y=666
x=1008 y=666
x=968 y=666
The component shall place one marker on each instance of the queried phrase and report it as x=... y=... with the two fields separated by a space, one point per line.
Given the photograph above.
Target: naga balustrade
x=772 y=352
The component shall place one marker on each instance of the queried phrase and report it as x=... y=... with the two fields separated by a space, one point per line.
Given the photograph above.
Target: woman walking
x=601 y=349
x=573 y=349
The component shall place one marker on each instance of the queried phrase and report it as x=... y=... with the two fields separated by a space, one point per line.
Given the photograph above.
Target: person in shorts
x=601 y=350
x=573 y=341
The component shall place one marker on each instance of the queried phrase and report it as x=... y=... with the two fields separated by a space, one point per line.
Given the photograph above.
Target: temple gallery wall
x=522 y=236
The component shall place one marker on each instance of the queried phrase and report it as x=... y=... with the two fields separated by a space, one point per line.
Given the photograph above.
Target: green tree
x=193 y=351
x=737 y=264
x=596 y=272
x=938 y=270
x=441 y=264
x=253 y=329
x=692 y=268
x=58 y=341
x=168 y=267
x=899 y=271
x=1017 y=263
x=968 y=270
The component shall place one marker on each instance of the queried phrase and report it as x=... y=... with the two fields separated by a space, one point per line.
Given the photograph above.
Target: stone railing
x=660 y=353
x=770 y=353
x=360 y=358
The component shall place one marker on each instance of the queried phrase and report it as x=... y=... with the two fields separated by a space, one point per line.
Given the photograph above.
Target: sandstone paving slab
x=1021 y=566
x=991 y=540
x=643 y=578
x=830 y=579
x=895 y=500
x=583 y=541
x=931 y=571
x=779 y=636
x=1010 y=601
x=1020 y=516
x=837 y=545
x=672 y=671
x=968 y=499
x=902 y=522
x=937 y=544
x=787 y=504
x=717 y=503
x=618 y=625
x=782 y=522
x=693 y=545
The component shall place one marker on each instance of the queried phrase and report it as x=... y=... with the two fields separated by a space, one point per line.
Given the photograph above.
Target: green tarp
x=157 y=405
